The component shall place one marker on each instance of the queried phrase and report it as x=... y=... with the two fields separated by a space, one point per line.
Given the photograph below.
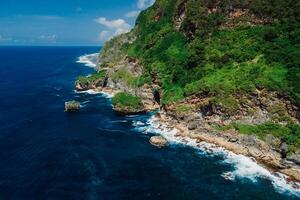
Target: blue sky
x=66 y=22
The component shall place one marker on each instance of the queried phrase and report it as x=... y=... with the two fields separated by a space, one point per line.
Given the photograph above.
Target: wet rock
x=158 y=141
x=72 y=106
x=293 y=173
x=192 y=125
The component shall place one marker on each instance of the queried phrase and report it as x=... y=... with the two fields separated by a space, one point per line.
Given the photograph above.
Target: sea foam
x=243 y=167
x=89 y=60
x=94 y=92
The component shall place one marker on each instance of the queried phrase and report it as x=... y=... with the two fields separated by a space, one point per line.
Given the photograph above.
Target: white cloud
x=48 y=37
x=133 y=13
x=114 y=28
x=103 y=36
x=120 y=26
x=113 y=24
x=142 y=4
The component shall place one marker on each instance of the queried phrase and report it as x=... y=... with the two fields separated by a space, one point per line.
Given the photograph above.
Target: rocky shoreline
x=269 y=159
x=232 y=141
x=194 y=119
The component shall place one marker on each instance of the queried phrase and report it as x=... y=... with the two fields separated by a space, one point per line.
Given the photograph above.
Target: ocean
x=46 y=153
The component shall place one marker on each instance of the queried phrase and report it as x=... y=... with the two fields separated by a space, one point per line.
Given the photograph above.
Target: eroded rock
x=72 y=106
x=158 y=141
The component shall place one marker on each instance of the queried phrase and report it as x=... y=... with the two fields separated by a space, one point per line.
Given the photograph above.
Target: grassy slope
x=205 y=57
x=218 y=61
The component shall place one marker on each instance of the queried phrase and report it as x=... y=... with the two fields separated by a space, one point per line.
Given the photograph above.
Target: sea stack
x=72 y=106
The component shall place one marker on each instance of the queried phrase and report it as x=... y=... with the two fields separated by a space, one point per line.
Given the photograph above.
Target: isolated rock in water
x=158 y=141
x=72 y=106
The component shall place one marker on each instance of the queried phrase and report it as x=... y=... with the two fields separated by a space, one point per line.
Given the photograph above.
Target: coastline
x=245 y=166
x=251 y=161
x=250 y=165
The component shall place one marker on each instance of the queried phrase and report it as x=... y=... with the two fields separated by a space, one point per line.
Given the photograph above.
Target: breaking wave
x=89 y=60
x=244 y=167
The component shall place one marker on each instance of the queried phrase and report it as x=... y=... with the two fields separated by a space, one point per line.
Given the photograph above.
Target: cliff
x=231 y=68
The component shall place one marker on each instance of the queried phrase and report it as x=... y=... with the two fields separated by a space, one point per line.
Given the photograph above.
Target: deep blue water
x=94 y=154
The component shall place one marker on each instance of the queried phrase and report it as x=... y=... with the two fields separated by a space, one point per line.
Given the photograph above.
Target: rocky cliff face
x=219 y=67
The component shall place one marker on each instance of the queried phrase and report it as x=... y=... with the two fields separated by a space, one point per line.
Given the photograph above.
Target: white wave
x=88 y=92
x=92 y=92
x=89 y=60
x=244 y=167
x=138 y=123
x=85 y=102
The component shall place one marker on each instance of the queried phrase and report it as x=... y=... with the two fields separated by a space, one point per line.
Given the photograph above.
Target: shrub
x=123 y=99
x=289 y=133
x=91 y=78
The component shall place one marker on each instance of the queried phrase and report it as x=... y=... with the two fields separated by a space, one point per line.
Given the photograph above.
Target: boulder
x=233 y=139
x=192 y=125
x=158 y=141
x=249 y=140
x=295 y=158
x=72 y=106
x=273 y=142
x=284 y=149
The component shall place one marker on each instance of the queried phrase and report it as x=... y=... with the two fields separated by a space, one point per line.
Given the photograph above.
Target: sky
x=66 y=22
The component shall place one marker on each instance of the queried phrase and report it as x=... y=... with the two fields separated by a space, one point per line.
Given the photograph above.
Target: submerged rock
x=158 y=141
x=72 y=106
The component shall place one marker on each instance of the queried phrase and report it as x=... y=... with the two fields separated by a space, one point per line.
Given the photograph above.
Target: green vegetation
x=213 y=54
x=183 y=109
x=289 y=133
x=85 y=80
x=125 y=76
x=126 y=100
x=204 y=57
